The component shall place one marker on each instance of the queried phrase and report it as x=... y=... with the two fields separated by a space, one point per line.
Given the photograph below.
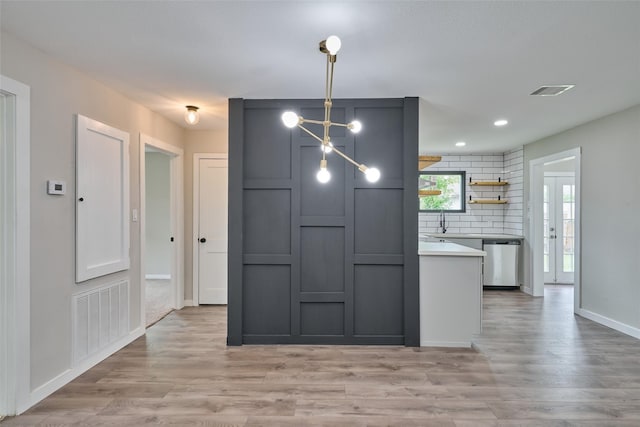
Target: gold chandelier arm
x=347 y=158
x=317 y=122
x=344 y=125
x=311 y=133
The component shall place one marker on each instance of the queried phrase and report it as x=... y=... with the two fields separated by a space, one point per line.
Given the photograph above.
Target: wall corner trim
x=610 y=323
x=70 y=374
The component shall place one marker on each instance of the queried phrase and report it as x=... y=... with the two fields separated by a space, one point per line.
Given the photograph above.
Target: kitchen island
x=450 y=294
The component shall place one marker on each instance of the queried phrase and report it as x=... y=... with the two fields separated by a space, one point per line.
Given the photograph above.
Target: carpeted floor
x=158 y=300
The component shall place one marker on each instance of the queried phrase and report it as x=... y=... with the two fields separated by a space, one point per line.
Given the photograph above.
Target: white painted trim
x=70 y=374
x=188 y=303
x=613 y=324
x=176 y=165
x=86 y=187
x=555 y=174
x=536 y=270
x=196 y=217
x=157 y=276
x=15 y=315
x=463 y=344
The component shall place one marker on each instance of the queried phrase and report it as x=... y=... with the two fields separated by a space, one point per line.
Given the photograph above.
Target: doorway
x=559 y=226
x=15 y=356
x=161 y=219
x=210 y=223
x=548 y=224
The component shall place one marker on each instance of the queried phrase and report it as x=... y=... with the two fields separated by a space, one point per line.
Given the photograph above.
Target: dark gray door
x=323 y=263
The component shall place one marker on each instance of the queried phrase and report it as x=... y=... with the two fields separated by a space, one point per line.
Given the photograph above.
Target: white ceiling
x=469 y=62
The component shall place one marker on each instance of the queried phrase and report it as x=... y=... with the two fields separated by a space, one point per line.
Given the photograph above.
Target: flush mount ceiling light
x=501 y=122
x=460 y=144
x=330 y=47
x=191 y=116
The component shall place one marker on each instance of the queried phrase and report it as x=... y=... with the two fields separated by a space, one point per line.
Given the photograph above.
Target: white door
x=559 y=229
x=212 y=231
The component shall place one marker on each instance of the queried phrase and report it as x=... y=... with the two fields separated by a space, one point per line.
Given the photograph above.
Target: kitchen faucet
x=443 y=224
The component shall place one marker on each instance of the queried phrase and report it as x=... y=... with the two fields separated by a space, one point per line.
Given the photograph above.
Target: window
x=451 y=187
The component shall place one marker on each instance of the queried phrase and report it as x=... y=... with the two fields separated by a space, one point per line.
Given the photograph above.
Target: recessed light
x=501 y=122
x=460 y=144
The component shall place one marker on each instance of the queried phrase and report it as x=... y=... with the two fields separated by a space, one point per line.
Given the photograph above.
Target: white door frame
x=176 y=202
x=15 y=330
x=536 y=181
x=196 y=218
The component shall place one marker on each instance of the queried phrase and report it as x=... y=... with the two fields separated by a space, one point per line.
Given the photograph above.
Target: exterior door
x=212 y=231
x=559 y=228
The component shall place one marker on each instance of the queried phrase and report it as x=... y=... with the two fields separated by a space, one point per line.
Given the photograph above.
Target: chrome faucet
x=443 y=223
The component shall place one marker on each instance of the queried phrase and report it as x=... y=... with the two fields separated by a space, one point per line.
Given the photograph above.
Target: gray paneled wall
x=328 y=263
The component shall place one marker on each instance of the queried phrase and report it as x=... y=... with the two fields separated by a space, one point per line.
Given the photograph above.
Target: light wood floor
x=535 y=365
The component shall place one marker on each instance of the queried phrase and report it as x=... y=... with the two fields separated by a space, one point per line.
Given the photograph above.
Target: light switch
x=134 y=215
x=56 y=188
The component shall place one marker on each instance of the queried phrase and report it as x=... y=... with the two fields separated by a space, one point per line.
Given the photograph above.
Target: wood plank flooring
x=536 y=364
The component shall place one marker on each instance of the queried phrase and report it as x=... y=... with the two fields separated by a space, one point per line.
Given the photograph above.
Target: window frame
x=463 y=191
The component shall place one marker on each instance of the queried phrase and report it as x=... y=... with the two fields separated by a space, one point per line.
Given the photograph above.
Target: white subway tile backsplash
x=483 y=218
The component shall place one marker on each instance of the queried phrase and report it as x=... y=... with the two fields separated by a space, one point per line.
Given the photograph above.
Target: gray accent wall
x=315 y=263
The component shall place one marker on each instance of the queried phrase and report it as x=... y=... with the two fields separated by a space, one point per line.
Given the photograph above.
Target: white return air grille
x=552 y=90
x=100 y=317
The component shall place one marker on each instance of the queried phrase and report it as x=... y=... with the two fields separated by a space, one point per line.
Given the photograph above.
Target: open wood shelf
x=487 y=202
x=426 y=161
x=489 y=183
x=429 y=192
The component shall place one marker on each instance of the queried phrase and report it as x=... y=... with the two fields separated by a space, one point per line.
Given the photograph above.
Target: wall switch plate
x=56 y=188
x=134 y=215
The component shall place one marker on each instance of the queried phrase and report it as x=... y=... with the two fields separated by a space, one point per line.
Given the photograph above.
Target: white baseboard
x=188 y=303
x=465 y=344
x=613 y=324
x=526 y=290
x=157 y=276
x=70 y=374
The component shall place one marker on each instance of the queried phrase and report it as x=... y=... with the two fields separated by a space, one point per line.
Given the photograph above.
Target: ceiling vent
x=553 y=90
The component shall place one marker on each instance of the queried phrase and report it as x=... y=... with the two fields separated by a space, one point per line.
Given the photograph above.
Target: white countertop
x=447 y=249
x=472 y=236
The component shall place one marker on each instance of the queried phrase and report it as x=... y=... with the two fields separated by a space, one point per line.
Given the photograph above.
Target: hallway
x=535 y=365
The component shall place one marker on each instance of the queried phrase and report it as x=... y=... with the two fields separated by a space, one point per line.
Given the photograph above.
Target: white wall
x=196 y=142
x=610 y=205
x=480 y=218
x=158 y=217
x=58 y=92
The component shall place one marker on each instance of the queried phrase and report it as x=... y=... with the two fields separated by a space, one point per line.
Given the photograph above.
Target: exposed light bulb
x=290 y=119
x=323 y=174
x=501 y=122
x=333 y=44
x=327 y=148
x=372 y=174
x=355 y=126
x=191 y=116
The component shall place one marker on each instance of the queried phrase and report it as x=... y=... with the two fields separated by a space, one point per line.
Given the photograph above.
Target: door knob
x=202 y=240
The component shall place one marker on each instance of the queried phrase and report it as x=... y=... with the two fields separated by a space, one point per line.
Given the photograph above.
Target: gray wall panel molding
x=320 y=264
x=410 y=160
x=236 y=137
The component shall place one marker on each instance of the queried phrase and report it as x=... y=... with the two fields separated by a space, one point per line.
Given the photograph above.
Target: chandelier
x=330 y=47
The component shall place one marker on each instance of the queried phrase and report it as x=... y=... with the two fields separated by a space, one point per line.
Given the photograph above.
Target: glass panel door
x=559 y=230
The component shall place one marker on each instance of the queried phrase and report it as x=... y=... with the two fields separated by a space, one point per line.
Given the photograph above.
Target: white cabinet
x=450 y=295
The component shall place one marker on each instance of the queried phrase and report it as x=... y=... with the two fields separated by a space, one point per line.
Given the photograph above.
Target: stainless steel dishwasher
x=501 y=263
